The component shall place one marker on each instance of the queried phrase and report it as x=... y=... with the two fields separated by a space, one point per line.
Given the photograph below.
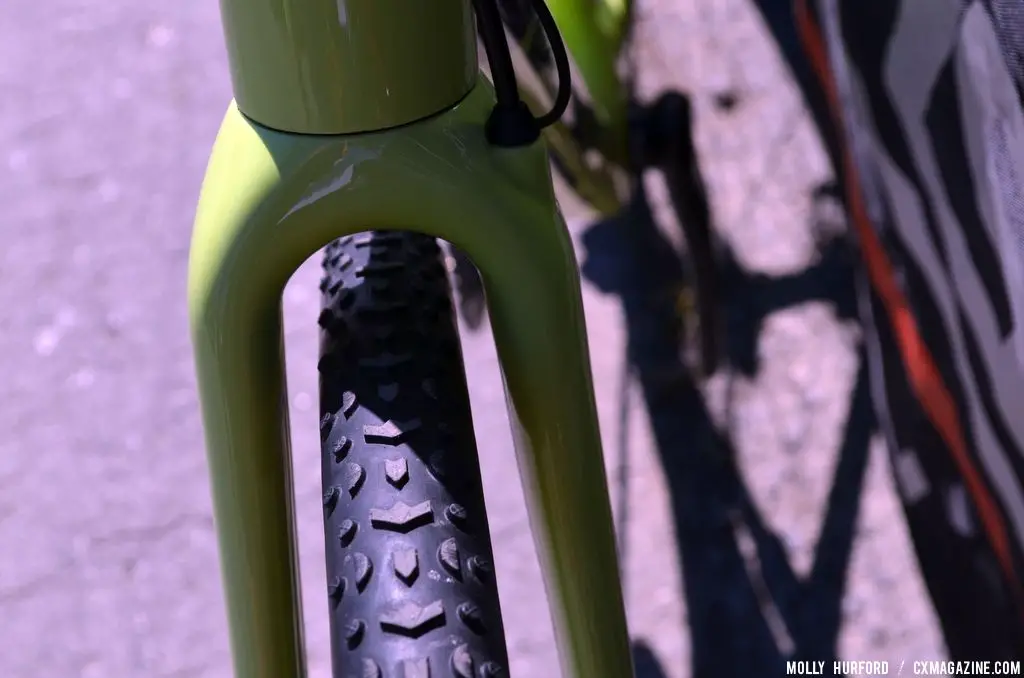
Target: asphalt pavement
x=108 y=561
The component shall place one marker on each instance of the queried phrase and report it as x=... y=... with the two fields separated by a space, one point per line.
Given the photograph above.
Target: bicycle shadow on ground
x=748 y=611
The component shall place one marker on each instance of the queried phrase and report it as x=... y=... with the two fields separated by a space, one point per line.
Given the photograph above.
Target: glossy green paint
x=612 y=18
x=342 y=66
x=269 y=201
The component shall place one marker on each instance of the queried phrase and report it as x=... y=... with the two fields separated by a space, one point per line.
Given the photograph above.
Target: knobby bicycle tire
x=411 y=586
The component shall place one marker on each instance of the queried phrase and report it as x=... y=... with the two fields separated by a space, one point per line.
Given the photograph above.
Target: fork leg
x=536 y=313
x=235 y=311
x=241 y=374
x=269 y=201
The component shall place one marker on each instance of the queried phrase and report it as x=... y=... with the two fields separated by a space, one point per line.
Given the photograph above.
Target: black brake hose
x=492 y=33
x=547 y=22
x=511 y=123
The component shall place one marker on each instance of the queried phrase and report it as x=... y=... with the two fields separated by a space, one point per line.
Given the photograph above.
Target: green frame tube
x=271 y=199
x=343 y=66
x=593 y=33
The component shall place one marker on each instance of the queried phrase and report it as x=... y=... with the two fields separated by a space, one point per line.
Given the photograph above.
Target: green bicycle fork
x=271 y=198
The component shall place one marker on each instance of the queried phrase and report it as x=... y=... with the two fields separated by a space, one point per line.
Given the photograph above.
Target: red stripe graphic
x=926 y=382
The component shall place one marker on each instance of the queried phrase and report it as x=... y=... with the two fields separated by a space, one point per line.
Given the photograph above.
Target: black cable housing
x=547 y=22
x=511 y=123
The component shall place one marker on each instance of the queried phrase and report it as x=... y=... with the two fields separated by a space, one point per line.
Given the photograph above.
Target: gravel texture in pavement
x=108 y=560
